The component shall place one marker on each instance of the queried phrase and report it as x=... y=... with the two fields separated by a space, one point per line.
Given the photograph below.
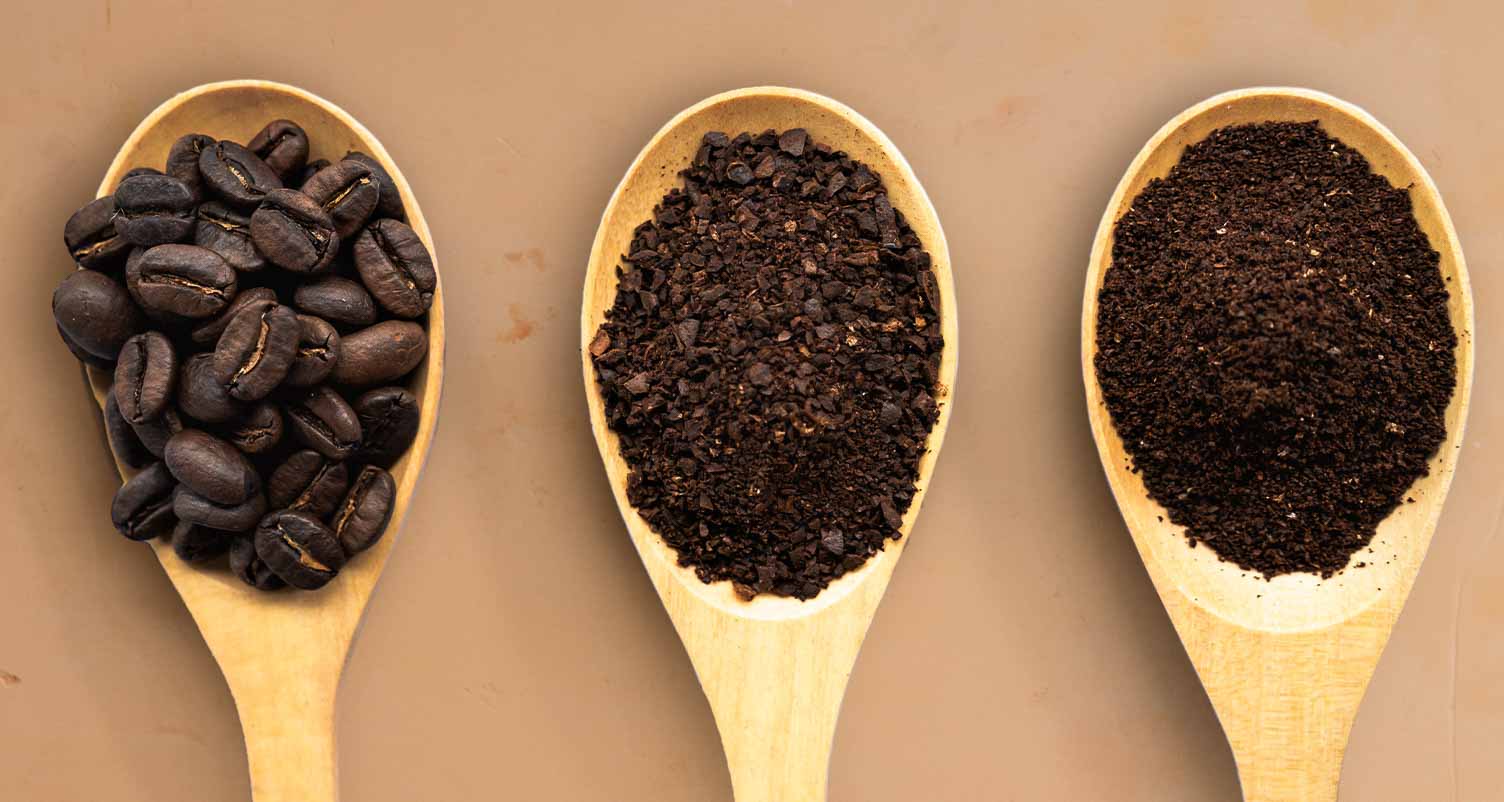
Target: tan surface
x=773 y=669
x=282 y=654
x=516 y=649
x=1286 y=660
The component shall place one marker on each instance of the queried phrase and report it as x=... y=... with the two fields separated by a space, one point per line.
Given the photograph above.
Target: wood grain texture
x=282 y=653
x=774 y=669
x=1285 y=661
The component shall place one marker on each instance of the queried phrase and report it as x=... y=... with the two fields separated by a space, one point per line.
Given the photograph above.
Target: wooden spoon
x=1285 y=661
x=282 y=653
x=774 y=669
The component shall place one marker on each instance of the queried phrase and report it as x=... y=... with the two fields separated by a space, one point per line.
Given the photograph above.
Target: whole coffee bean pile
x=770 y=364
x=258 y=313
x=1274 y=346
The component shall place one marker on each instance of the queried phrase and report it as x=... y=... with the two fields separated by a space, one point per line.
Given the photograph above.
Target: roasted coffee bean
x=142 y=508
x=389 y=204
x=388 y=424
x=340 y=301
x=196 y=544
x=361 y=519
x=211 y=467
x=258 y=298
x=293 y=232
x=259 y=431
x=190 y=506
x=308 y=482
x=236 y=175
x=317 y=354
x=283 y=145
x=256 y=350
x=145 y=376
x=299 y=548
x=153 y=209
x=155 y=434
x=135 y=171
x=395 y=265
x=183 y=158
x=252 y=570
x=311 y=170
x=183 y=280
x=228 y=233
x=202 y=393
x=124 y=443
x=83 y=356
x=348 y=192
x=95 y=313
x=91 y=237
x=324 y=421
x=381 y=353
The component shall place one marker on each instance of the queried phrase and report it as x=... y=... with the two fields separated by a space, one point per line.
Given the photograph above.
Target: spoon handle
x=1287 y=703
x=288 y=722
x=775 y=688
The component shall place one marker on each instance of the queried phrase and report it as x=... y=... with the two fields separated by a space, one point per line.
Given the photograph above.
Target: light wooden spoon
x=775 y=669
x=1285 y=661
x=282 y=653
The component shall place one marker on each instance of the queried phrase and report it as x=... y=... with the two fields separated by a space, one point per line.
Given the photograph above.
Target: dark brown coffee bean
x=202 y=393
x=211 y=467
x=142 y=508
x=91 y=237
x=361 y=519
x=183 y=280
x=95 y=313
x=308 y=482
x=348 y=192
x=135 y=171
x=153 y=209
x=381 y=353
x=107 y=365
x=340 y=301
x=252 y=570
x=124 y=443
x=312 y=169
x=258 y=298
x=389 y=419
x=237 y=175
x=389 y=203
x=293 y=232
x=299 y=549
x=145 y=376
x=259 y=431
x=196 y=544
x=283 y=145
x=395 y=266
x=256 y=351
x=228 y=233
x=190 y=506
x=155 y=434
x=182 y=162
x=325 y=422
x=318 y=352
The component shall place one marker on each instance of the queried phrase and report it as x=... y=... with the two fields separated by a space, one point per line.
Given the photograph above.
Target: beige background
x=515 y=649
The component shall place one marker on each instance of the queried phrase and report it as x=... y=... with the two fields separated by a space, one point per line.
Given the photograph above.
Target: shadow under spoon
x=1285 y=661
x=282 y=653
x=774 y=669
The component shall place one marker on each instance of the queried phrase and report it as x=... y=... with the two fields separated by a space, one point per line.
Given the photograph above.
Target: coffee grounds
x=1274 y=346
x=770 y=362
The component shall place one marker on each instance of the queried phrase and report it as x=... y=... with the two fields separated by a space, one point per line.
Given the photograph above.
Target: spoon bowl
x=282 y=653
x=1285 y=660
x=774 y=669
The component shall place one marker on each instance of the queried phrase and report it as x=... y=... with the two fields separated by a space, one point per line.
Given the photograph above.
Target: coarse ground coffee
x=1274 y=346
x=770 y=362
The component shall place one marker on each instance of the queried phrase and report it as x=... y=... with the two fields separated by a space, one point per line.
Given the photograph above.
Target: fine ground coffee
x=1274 y=346
x=770 y=363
